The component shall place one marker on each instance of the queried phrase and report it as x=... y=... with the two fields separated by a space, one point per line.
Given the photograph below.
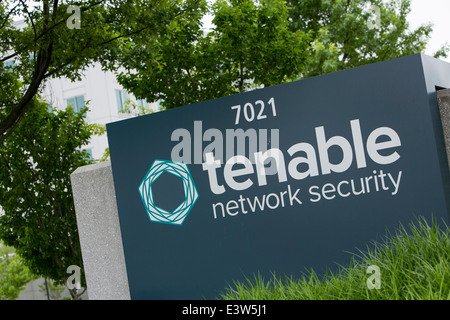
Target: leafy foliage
x=46 y=47
x=35 y=192
x=257 y=43
x=14 y=275
x=251 y=46
x=360 y=31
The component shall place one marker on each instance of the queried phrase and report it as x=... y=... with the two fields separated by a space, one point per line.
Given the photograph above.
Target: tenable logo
x=157 y=214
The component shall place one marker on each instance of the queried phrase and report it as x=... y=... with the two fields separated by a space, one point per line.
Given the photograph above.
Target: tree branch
x=14 y=117
x=8 y=15
x=42 y=63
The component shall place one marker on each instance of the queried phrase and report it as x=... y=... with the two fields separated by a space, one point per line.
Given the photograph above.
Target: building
x=101 y=93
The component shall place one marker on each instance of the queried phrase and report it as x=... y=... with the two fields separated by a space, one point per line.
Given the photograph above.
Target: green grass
x=414 y=265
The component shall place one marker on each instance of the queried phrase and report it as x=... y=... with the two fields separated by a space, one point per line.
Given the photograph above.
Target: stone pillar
x=99 y=231
x=444 y=109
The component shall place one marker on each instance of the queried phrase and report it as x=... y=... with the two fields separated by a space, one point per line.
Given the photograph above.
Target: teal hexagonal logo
x=156 y=214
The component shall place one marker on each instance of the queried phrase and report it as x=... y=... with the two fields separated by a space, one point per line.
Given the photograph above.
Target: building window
x=89 y=152
x=77 y=103
x=121 y=97
x=142 y=103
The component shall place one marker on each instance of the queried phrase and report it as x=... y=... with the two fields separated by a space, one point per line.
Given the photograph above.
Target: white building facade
x=101 y=93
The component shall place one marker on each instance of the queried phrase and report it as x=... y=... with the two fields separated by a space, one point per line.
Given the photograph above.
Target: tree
x=361 y=31
x=251 y=46
x=40 y=149
x=51 y=45
x=35 y=191
x=14 y=275
x=256 y=43
x=52 y=290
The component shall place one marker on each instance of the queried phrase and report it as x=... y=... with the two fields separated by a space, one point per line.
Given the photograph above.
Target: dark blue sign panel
x=278 y=180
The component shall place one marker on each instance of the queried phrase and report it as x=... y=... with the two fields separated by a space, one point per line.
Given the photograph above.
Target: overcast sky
x=436 y=12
